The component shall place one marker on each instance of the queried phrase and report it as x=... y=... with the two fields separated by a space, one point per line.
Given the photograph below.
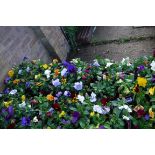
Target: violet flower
x=6 y=91
x=10 y=110
x=70 y=67
x=141 y=68
x=25 y=121
x=66 y=122
x=27 y=84
x=146 y=117
x=75 y=117
x=59 y=94
x=67 y=93
x=129 y=100
x=101 y=127
x=153 y=79
x=6 y=80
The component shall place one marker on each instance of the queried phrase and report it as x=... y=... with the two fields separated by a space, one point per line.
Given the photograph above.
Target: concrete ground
x=117 y=42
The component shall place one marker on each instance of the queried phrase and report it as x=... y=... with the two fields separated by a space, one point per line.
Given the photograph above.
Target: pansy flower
x=6 y=80
x=153 y=65
x=81 y=98
x=104 y=101
x=56 y=106
x=25 y=121
x=13 y=92
x=75 y=117
x=141 y=68
x=56 y=82
x=142 y=81
x=93 y=97
x=78 y=85
x=70 y=67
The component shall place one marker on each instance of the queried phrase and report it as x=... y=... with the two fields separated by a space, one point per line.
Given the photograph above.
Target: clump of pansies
x=71 y=95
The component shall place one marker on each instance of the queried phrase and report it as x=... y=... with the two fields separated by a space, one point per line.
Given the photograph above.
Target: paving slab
x=117 y=32
x=116 y=51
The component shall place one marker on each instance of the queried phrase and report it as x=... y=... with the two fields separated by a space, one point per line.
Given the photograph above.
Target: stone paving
x=117 y=51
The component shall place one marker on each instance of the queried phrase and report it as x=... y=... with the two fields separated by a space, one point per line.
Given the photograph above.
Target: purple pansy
x=6 y=91
x=27 y=84
x=66 y=122
x=129 y=100
x=101 y=127
x=153 y=79
x=25 y=121
x=75 y=116
x=70 y=67
x=67 y=93
x=59 y=94
x=6 y=80
x=10 y=110
x=141 y=68
x=147 y=117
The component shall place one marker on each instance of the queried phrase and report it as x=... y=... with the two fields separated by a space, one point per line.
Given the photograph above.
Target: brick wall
x=18 y=42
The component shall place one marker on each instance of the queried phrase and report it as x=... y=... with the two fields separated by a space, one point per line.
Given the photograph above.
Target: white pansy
x=47 y=73
x=93 y=97
x=20 y=72
x=152 y=65
x=96 y=63
x=79 y=70
x=126 y=107
x=13 y=92
x=126 y=61
x=64 y=72
x=108 y=64
x=75 y=61
x=126 y=118
x=35 y=119
x=81 y=98
x=100 y=110
x=1 y=95
x=28 y=69
x=22 y=105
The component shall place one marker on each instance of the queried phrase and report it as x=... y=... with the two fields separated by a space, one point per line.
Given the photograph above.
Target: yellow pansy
x=45 y=66
x=50 y=97
x=151 y=90
x=55 y=61
x=39 y=84
x=10 y=73
x=62 y=114
x=151 y=113
x=7 y=104
x=37 y=76
x=23 y=98
x=16 y=81
x=92 y=114
x=63 y=81
x=142 y=81
x=74 y=100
